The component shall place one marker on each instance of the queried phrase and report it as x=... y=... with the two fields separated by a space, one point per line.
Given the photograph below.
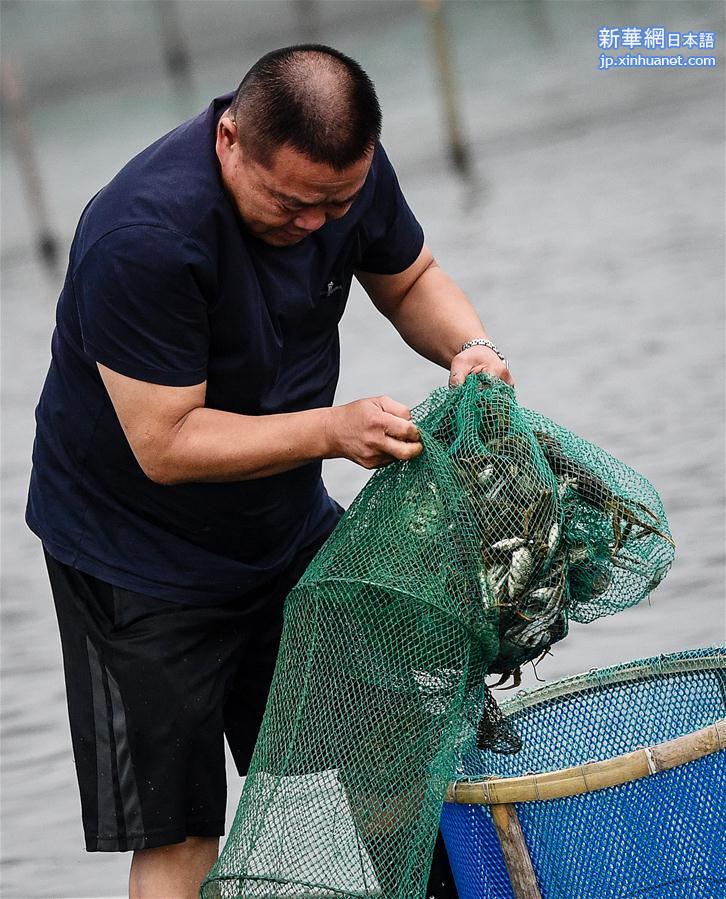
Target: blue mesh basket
x=654 y=837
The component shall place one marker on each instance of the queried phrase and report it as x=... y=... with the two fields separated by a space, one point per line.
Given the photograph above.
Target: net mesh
x=663 y=836
x=466 y=560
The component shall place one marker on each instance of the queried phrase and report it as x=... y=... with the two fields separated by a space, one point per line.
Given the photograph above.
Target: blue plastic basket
x=656 y=837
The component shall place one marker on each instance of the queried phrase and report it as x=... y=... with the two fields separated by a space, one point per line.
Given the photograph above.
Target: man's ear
x=226 y=132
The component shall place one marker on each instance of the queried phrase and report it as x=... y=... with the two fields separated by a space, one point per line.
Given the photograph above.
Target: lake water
x=591 y=242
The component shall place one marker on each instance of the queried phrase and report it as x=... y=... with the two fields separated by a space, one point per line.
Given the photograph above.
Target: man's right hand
x=373 y=432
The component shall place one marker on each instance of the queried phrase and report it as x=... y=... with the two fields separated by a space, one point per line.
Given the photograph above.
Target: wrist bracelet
x=480 y=341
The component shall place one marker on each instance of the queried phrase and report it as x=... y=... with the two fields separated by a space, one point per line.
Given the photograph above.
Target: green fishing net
x=468 y=560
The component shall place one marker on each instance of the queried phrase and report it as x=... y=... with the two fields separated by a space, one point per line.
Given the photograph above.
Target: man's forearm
x=435 y=317
x=211 y=445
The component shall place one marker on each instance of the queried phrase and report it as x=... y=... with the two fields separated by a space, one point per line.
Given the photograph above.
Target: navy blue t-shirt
x=165 y=285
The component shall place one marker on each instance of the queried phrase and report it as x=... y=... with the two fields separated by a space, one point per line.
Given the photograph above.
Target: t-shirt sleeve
x=141 y=305
x=391 y=237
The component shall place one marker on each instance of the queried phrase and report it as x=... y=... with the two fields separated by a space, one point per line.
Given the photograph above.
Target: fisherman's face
x=286 y=201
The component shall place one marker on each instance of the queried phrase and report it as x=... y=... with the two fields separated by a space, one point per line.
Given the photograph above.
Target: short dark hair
x=310 y=97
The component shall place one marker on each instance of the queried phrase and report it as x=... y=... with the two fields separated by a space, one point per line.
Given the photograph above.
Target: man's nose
x=310 y=219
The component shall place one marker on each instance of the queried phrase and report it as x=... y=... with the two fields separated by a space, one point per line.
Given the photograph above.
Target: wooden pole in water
x=12 y=98
x=457 y=146
x=308 y=16
x=515 y=852
x=539 y=16
x=176 y=53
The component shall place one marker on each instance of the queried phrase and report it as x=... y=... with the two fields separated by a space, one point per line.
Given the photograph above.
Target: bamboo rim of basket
x=592 y=776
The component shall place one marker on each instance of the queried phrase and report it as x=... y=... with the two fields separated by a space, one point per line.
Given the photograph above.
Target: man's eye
x=337 y=210
x=289 y=207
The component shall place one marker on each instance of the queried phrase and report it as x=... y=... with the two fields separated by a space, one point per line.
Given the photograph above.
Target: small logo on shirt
x=331 y=287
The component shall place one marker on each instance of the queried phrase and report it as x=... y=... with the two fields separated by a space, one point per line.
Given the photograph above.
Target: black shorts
x=153 y=689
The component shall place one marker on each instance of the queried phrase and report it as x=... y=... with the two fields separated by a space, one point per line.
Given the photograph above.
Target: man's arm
x=175 y=438
x=434 y=317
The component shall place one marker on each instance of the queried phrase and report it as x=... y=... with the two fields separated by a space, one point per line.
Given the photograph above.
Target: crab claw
x=516 y=676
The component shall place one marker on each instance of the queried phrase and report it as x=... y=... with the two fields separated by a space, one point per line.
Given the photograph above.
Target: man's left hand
x=475 y=360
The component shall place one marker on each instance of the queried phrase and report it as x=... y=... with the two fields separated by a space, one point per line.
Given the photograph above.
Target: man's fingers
x=397 y=409
x=502 y=373
x=460 y=373
x=400 y=428
x=374 y=431
x=401 y=449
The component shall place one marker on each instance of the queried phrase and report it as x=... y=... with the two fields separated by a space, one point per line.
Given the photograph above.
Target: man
x=176 y=482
